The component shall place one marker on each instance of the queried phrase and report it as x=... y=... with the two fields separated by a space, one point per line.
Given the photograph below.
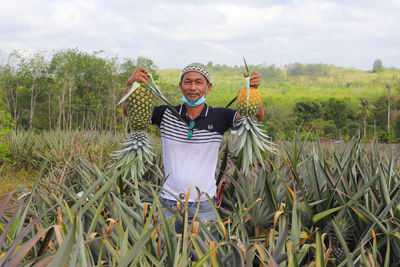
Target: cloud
x=345 y=33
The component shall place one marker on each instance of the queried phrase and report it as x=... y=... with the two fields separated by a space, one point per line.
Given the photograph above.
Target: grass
x=16 y=179
x=286 y=91
x=12 y=178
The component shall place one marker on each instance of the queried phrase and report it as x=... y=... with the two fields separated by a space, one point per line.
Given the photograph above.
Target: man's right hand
x=140 y=75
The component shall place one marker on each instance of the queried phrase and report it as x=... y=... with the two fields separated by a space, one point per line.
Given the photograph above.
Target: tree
x=377 y=66
x=388 y=87
x=365 y=113
x=11 y=81
x=307 y=110
x=379 y=111
x=5 y=126
x=83 y=81
x=71 y=90
x=35 y=72
x=397 y=127
x=337 y=111
x=5 y=117
x=144 y=62
x=308 y=69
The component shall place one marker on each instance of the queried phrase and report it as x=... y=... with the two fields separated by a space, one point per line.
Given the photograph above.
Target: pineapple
x=248 y=108
x=251 y=139
x=136 y=149
x=338 y=252
x=346 y=231
x=140 y=107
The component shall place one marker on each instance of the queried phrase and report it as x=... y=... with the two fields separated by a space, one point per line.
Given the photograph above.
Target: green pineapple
x=140 y=107
x=136 y=149
x=338 y=251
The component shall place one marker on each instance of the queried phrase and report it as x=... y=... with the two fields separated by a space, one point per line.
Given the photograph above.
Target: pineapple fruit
x=345 y=229
x=136 y=149
x=251 y=139
x=248 y=108
x=140 y=107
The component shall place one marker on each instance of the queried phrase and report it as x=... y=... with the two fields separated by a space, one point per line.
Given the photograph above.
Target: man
x=191 y=153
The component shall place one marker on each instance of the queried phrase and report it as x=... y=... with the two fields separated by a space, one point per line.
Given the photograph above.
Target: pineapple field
x=81 y=184
x=311 y=204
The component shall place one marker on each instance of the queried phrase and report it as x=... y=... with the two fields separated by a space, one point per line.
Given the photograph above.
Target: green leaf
x=64 y=252
x=387 y=255
x=325 y=213
x=134 y=86
x=319 y=254
x=224 y=164
x=206 y=256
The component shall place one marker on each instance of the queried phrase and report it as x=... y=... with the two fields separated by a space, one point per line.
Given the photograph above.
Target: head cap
x=196 y=67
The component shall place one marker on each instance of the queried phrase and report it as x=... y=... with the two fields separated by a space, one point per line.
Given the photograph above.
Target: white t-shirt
x=191 y=161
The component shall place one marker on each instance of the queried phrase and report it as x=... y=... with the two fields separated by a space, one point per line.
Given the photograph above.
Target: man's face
x=194 y=85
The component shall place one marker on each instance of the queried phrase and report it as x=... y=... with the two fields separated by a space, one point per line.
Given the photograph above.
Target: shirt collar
x=203 y=113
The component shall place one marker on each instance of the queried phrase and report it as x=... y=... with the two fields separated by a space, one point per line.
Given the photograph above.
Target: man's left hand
x=255 y=79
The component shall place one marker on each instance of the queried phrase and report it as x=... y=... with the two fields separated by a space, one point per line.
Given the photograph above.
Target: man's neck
x=193 y=112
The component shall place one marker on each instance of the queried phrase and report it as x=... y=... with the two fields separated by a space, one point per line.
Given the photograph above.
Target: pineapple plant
x=341 y=229
x=251 y=139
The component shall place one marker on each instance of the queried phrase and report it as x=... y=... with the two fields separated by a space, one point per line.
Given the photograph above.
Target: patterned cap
x=196 y=67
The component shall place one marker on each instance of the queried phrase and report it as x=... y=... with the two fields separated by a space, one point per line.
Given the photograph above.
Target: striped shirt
x=191 y=161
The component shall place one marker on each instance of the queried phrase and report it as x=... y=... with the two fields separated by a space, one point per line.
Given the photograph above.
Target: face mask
x=194 y=104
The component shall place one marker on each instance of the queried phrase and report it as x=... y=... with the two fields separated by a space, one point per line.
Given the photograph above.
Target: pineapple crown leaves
x=252 y=140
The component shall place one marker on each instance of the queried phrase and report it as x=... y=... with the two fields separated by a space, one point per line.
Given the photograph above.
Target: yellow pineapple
x=250 y=107
x=251 y=139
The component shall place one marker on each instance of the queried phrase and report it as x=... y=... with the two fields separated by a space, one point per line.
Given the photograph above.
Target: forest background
x=75 y=90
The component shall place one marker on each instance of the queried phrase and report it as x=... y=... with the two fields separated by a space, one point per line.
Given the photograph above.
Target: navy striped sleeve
x=229 y=118
x=158 y=113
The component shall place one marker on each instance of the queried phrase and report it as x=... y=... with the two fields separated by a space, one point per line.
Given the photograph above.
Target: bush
x=325 y=128
x=352 y=128
x=387 y=137
x=307 y=110
x=397 y=127
x=336 y=110
x=6 y=124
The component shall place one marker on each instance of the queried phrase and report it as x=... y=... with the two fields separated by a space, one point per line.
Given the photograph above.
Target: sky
x=173 y=33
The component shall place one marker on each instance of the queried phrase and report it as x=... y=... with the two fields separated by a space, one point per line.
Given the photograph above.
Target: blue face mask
x=195 y=104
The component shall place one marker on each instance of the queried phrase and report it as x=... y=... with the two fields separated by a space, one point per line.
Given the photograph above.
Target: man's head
x=195 y=82
x=196 y=67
